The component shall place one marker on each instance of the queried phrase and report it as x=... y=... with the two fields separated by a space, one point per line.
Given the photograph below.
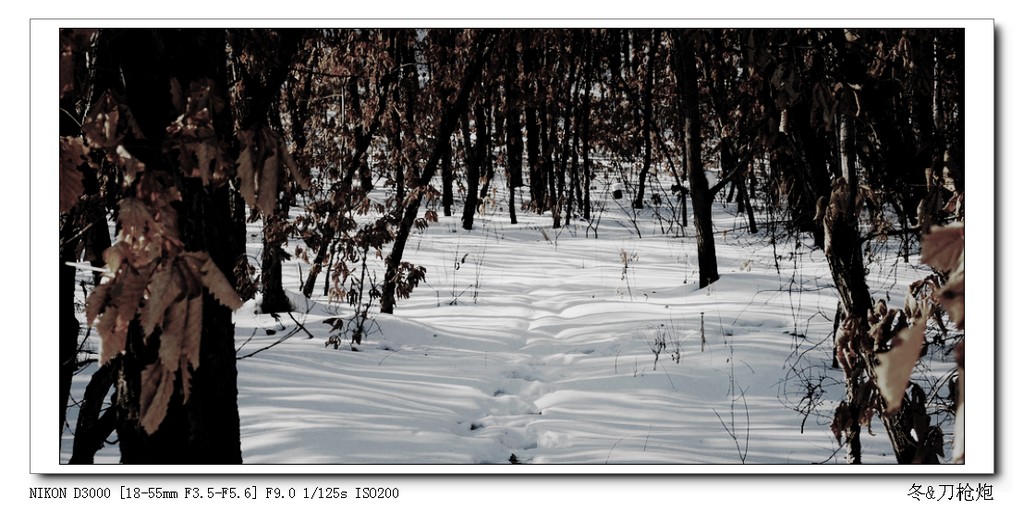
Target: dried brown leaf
x=173 y=333
x=173 y=337
x=134 y=217
x=129 y=288
x=205 y=153
x=100 y=125
x=108 y=122
x=112 y=335
x=72 y=154
x=218 y=284
x=247 y=168
x=293 y=167
x=193 y=332
x=67 y=70
x=155 y=396
x=189 y=272
x=186 y=380
x=205 y=272
x=128 y=164
x=113 y=257
x=162 y=290
x=943 y=248
x=72 y=41
x=951 y=296
x=266 y=194
x=97 y=301
x=897 y=364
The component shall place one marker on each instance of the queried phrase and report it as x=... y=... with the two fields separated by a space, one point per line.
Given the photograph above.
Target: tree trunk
x=411 y=209
x=69 y=326
x=513 y=126
x=474 y=155
x=447 y=180
x=535 y=119
x=67 y=334
x=686 y=76
x=549 y=139
x=206 y=428
x=638 y=202
x=584 y=125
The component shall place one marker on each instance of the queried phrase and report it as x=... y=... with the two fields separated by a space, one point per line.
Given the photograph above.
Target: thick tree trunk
x=206 y=428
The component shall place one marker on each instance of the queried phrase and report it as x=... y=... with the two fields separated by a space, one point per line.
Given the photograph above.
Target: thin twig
x=300 y=325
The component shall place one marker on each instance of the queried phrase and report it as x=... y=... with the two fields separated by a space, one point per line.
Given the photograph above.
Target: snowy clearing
x=533 y=345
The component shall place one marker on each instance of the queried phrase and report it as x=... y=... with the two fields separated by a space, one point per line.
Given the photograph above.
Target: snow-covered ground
x=533 y=345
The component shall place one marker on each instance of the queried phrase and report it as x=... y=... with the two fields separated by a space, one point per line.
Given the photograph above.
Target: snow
x=538 y=344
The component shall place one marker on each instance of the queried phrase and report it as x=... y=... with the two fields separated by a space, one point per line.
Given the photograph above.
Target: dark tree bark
x=259 y=107
x=549 y=139
x=647 y=123
x=513 y=124
x=474 y=155
x=535 y=120
x=584 y=125
x=69 y=325
x=206 y=428
x=686 y=78
x=363 y=139
x=410 y=211
x=447 y=179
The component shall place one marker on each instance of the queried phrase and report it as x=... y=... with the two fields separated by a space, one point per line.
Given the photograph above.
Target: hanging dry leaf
x=266 y=194
x=112 y=335
x=161 y=292
x=218 y=284
x=129 y=165
x=171 y=340
x=72 y=154
x=97 y=301
x=951 y=296
x=173 y=333
x=186 y=380
x=247 y=168
x=204 y=152
x=943 y=247
x=129 y=288
x=113 y=257
x=157 y=387
x=134 y=217
x=293 y=167
x=897 y=364
x=203 y=268
x=67 y=70
x=193 y=332
x=108 y=122
x=72 y=41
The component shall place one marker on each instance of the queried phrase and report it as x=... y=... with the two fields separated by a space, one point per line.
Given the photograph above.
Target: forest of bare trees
x=177 y=138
